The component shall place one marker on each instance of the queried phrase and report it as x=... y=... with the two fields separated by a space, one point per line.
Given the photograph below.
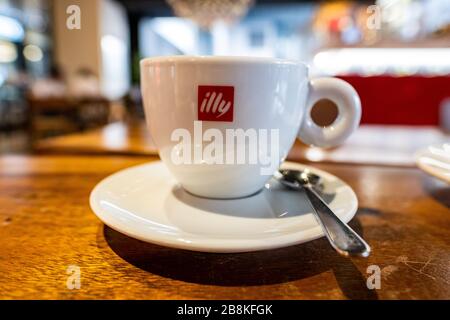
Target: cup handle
x=349 y=112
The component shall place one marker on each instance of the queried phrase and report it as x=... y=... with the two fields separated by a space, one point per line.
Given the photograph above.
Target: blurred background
x=70 y=66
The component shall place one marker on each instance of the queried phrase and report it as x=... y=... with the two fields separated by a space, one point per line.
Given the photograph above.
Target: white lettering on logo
x=213 y=102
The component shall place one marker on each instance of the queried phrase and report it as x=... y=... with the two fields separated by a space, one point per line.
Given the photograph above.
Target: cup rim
x=218 y=60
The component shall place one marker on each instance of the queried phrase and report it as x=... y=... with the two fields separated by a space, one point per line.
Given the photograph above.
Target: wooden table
x=116 y=138
x=367 y=145
x=47 y=227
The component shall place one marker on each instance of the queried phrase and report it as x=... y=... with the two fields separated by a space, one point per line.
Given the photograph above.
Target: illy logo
x=215 y=103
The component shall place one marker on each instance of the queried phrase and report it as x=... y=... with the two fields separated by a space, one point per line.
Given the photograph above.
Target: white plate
x=145 y=202
x=435 y=160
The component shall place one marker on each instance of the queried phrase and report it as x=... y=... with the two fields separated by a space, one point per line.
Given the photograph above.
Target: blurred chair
x=50 y=116
x=93 y=111
x=62 y=115
x=133 y=103
x=60 y=105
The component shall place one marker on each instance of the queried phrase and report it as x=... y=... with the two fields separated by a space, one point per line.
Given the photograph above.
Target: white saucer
x=145 y=202
x=435 y=160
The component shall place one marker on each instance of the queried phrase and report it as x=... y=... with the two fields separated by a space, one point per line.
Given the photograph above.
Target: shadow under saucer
x=244 y=269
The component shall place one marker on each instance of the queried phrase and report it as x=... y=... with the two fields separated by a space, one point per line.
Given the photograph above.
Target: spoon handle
x=346 y=241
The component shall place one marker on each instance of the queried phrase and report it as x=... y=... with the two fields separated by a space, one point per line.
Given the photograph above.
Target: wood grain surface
x=46 y=226
x=118 y=138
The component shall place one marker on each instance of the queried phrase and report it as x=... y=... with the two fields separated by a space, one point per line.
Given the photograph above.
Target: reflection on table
x=370 y=144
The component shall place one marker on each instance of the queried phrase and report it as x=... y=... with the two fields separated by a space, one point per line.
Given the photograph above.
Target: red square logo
x=215 y=103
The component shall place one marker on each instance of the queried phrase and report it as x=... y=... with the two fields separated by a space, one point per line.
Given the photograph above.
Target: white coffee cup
x=267 y=95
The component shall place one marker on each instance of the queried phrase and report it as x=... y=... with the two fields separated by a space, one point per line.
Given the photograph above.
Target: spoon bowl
x=342 y=238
